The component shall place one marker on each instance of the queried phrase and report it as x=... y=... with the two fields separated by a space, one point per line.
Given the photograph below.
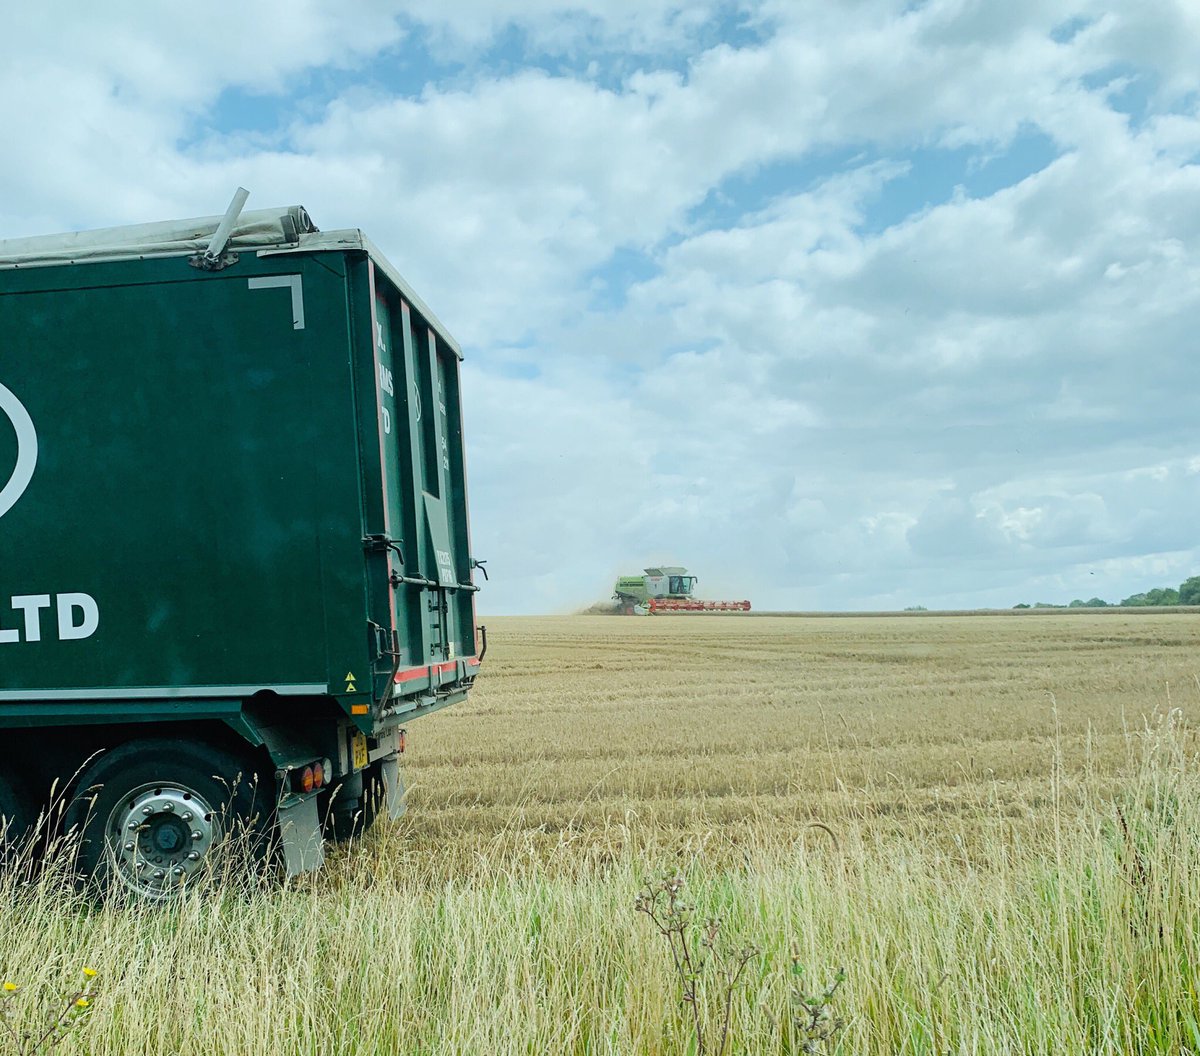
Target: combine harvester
x=666 y=590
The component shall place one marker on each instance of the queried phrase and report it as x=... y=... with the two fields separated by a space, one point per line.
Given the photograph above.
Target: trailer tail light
x=403 y=740
x=312 y=777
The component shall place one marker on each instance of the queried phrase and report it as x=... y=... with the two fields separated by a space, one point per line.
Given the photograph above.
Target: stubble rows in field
x=753 y=727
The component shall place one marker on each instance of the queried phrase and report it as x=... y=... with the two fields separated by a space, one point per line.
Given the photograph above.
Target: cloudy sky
x=841 y=303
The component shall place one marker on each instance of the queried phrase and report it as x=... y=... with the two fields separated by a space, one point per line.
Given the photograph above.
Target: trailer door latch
x=381 y=544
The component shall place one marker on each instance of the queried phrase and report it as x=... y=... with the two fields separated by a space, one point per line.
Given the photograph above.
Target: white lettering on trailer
x=282 y=282
x=78 y=617
x=32 y=604
x=386 y=385
x=387 y=382
x=27 y=450
x=68 y=629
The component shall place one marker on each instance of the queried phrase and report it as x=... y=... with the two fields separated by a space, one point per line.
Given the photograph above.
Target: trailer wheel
x=14 y=810
x=152 y=812
x=344 y=820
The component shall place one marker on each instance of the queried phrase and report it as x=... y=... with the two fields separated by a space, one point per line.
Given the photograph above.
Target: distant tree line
x=1187 y=594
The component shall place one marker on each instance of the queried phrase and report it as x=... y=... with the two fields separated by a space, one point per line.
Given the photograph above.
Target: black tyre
x=16 y=810
x=151 y=813
x=348 y=816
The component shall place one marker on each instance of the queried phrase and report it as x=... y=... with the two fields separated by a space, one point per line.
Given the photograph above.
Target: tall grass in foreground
x=1080 y=936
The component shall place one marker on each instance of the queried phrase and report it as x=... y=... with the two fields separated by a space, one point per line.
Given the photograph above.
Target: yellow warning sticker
x=350 y=680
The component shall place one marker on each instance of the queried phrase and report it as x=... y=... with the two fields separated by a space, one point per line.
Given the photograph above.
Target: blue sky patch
x=935 y=175
x=1131 y=89
x=931 y=178
x=609 y=284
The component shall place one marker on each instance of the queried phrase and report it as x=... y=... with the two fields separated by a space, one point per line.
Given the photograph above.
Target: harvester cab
x=666 y=589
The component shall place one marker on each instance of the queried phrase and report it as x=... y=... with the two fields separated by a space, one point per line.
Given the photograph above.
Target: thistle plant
x=814 y=1027
x=64 y=1016
x=697 y=960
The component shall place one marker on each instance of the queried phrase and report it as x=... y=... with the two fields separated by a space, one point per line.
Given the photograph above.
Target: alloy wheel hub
x=159 y=836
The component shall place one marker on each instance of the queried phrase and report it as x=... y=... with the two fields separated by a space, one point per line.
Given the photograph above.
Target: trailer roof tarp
x=256 y=229
x=286 y=229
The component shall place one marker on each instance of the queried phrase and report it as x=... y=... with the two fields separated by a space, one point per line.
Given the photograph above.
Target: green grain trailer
x=234 y=548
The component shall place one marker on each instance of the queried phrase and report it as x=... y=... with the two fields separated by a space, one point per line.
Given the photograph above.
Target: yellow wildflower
x=11 y=988
x=90 y=973
x=83 y=1002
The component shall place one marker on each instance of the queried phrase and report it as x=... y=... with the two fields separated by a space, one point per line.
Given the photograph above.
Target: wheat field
x=732 y=726
x=991 y=823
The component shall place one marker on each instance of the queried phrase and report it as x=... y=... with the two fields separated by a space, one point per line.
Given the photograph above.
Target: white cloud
x=804 y=402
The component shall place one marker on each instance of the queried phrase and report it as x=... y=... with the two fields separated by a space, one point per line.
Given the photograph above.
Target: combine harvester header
x=692 y=605
x=666 y=590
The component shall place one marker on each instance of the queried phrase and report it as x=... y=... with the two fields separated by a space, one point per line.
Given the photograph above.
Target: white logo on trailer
x=30 y=605
x=27 y=450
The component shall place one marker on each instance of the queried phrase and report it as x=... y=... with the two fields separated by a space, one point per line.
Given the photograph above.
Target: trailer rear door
x=419 y=559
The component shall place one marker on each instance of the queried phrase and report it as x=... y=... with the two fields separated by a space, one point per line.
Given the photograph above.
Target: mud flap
x=300 y=834
x=393 y=786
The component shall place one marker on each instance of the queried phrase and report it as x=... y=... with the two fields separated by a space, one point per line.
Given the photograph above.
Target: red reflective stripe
x=411 y=673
